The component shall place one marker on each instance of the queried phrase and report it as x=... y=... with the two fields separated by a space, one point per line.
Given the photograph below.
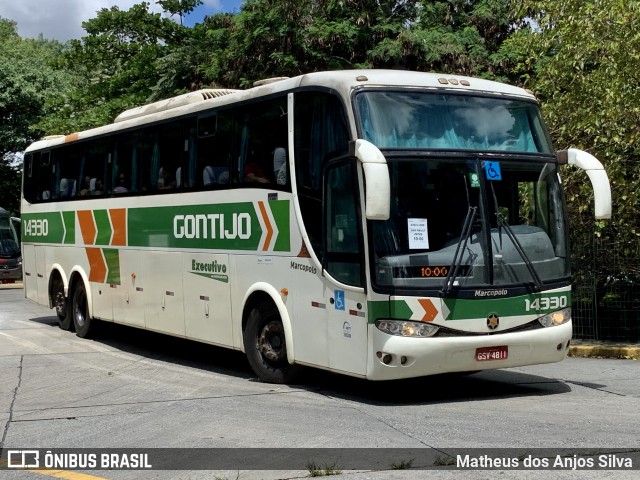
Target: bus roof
x=343 y=81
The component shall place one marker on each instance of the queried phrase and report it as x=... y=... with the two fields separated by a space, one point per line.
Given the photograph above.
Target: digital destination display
x=432 y=271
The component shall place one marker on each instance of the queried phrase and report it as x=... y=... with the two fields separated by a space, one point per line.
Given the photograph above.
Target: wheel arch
x=262 y=291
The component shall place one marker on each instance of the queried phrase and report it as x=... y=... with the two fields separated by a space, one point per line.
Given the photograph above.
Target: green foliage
x=582 y=60
x=28 y=77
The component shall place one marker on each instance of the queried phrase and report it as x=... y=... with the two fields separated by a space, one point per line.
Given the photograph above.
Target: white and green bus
x=379 y=224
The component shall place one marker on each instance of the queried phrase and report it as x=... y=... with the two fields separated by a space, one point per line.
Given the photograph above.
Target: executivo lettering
x=212 y=270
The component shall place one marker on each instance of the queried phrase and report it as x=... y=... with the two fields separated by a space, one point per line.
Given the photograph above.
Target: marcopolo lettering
x=491 y=293
x=303 y=267
x=212 y=226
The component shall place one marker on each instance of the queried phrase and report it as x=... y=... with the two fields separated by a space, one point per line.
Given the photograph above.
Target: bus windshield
x=506 y=232
x=427 y=120
x=9 y=245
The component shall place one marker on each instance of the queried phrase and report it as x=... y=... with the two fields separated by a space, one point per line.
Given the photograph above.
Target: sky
x=62 y=19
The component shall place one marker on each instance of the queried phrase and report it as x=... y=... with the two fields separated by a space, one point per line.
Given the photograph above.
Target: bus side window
x=215 y=146
x=263 y=138
x=321 y=134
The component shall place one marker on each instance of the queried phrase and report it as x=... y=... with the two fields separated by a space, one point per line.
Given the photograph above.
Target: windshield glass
x=515 y=224
x=9 y=246
x=429 y=120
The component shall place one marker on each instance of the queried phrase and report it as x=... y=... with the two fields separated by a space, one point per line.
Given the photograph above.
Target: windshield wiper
x=502 y=223
x=520 y=250
x=462 y=245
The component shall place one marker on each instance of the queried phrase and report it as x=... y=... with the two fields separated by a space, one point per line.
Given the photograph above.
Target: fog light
x=386 y=359
x=403 y=360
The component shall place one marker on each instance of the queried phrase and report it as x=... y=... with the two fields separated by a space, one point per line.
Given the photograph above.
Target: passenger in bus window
x=121 y=185
x=86 y=187
x=253 y=173
x=165 y=180
x=99 y=188
x=280 y=165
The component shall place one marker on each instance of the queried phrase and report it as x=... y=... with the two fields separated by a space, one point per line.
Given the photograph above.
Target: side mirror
x=597 y=175
x=376 y=176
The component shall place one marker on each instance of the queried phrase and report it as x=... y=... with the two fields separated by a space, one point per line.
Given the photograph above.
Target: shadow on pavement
x=436 y=389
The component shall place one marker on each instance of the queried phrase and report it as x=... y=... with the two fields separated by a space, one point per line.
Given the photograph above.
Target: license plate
x=485 y=354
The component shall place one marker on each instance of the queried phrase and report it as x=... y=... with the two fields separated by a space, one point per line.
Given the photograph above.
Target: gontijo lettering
x=212 y=225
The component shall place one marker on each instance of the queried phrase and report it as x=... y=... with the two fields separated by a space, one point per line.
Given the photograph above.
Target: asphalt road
x=133 y=389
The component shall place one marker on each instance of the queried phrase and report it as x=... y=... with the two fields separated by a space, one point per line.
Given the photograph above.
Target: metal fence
x=606 y=293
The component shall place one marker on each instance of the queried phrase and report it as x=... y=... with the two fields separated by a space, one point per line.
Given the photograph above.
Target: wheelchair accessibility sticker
x=492 y=170
x=339 y=295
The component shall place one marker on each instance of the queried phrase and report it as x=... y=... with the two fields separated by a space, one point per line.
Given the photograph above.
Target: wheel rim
x=271 y=343
x=80 y=309
x=61 y=305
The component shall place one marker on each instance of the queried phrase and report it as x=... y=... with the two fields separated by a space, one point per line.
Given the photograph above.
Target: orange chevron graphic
x=430 y=310
x=267 y=224
x=119 y=224
x=87 y=226
x=97 y=266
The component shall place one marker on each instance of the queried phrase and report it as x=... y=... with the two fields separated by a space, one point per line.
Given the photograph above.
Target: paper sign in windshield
x=418 y=233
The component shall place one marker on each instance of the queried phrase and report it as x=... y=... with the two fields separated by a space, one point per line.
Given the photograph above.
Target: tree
x=31 y=81
x=583 y=59
x=27 y=78
x=118 y=59
x=450 y=36
x=292 y=37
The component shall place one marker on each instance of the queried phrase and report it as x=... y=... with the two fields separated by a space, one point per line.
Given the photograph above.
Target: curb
x=605 y=351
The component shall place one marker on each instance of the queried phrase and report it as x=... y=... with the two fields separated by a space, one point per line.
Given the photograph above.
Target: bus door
x=343 y=264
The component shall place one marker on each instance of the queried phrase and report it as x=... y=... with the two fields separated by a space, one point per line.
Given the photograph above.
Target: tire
x=82 y=321
x=265 y=346
x=61 y=304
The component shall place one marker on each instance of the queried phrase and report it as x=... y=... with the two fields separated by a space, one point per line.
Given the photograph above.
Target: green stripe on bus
x=43 y=227
x=233 y=226
x=69 y=221
x=103 y=225
x=532 y=304
x=112 y=258
x=280 y=211
x=467 y=309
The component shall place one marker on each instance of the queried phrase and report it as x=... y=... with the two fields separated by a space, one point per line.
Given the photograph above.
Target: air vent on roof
x=266 y=81
x=168 y=104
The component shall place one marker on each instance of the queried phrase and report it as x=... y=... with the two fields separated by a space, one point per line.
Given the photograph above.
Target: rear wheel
x=265 y=345
x=83 y=323
x=61 y=304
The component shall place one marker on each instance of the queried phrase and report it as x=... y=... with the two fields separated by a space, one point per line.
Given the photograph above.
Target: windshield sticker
x=492 y=171
x=418 y=233
x=474 y=179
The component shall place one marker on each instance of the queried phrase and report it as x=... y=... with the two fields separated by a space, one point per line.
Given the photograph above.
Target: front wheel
x=265 y=346
x=82 y=321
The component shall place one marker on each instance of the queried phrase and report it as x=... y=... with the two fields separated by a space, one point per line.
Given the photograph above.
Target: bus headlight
x=404 y=328
x=556 y=318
